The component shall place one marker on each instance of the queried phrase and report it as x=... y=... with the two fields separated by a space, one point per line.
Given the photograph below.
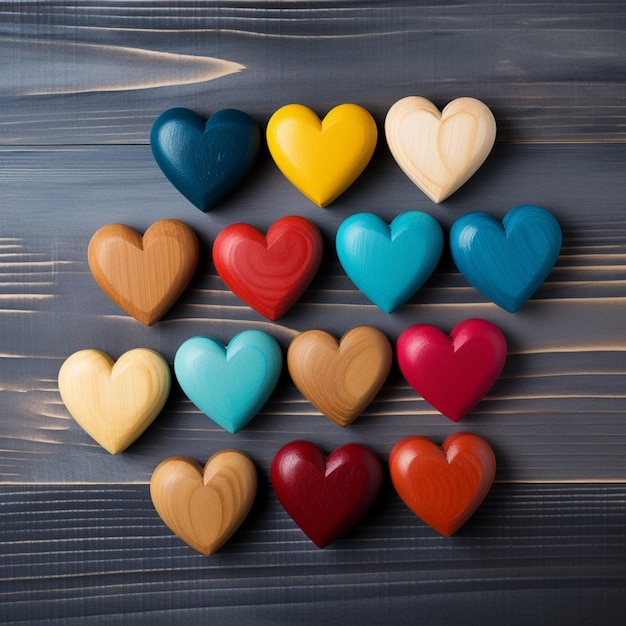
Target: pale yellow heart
x=204 y=507
x=114 y=402
x=321 y=158
x=439 y=152
x=342 y=377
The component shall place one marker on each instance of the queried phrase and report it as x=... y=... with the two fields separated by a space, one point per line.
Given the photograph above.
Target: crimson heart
x=452 y=373
x=269 y=272
x=443 y=486
x=325 y=497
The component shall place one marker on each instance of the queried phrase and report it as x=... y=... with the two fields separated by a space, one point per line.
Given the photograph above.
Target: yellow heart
x=321 y=158
x=439 y=152
x=114 y=402
x=204 y=507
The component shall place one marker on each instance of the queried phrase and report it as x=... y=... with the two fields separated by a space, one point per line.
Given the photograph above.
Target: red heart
x=269 y=273
x=325 y=497
x=452 y=373
x=443 y=486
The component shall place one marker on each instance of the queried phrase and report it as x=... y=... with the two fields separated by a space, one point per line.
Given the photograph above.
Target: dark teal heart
x=205 y=161
x=506 y=261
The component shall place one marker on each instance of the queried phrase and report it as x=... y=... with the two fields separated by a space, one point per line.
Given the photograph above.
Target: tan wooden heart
x=204 y=507
x=439 y=152
x=340 y=378
x=114 y=402
x=144 y=275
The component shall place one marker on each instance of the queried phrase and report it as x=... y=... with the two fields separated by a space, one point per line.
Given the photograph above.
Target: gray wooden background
x=80 y=85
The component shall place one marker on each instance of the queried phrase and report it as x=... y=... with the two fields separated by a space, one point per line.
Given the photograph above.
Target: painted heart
x=321 y=158
x=506 y=261
x=230 y=384
x=204 y=506
x=389 y=263
x=340 y=378
x=114 y=402
x=439 y=152
x=205 y=161
x=269 y=273
x=452 y=373
x=443 y=486
x=325 y=497
x=145 y=275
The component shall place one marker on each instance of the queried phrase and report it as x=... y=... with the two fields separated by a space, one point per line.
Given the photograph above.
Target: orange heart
x=340 y=378
x=204 y=507
x=144 y=275
x=443 y=486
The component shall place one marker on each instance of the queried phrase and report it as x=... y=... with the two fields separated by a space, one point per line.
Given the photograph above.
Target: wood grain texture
x=340 y=376
x=145 y=275
x=204 y=506
x=556 y=412
x=439 y=150
x=81 y=84
x=88 y=555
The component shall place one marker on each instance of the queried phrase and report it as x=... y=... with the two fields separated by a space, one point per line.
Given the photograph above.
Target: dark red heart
x=269 y=272
x=325 y=497
x=452 y=373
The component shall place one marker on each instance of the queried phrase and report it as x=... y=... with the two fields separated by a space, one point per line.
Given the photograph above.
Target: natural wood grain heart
x=325 y=497
x=114 y=402
x=439 y=152
x=269 y=272
x=340 y=378
x=443 y=486
x=144 y=275
x=204 y=507
x=321 y=158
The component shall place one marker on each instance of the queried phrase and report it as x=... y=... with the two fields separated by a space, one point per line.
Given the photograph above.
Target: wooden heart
x=205 y=160
x=114 y=402
x=452 y=373
x=340 y=378
x=321 y=158
x=144 y=275
x=269 y=273
x=439 y=152
x=443 y=486
x=204 y=507
x=325 y=497
x=506 y=260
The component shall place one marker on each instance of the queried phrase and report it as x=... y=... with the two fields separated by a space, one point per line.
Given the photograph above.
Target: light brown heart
x=439 y=152
x=340 y=378
x=204 y=507
x=114 y=402
x=144 y=275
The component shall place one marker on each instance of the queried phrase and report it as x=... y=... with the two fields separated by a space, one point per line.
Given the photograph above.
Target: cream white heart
x=439 y=152
x=114 y=402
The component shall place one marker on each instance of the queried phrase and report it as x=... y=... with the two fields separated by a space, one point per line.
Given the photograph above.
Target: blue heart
x=389 y=263
x=506 y=261
x=205 y=161
x=229 y=384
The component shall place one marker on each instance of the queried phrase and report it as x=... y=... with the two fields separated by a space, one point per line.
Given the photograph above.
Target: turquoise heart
x=389 y=263
x=506 y=261
x=205 y=161
x=229 y=384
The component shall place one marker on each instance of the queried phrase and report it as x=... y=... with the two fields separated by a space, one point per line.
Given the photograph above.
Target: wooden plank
x=532 y=554
x=555 y=414
x=100 y=72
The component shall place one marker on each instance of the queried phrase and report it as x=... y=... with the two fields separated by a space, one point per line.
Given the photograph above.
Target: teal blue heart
x=508 y=261
x=230 y=383
x=205 y=161
x=389 y=263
